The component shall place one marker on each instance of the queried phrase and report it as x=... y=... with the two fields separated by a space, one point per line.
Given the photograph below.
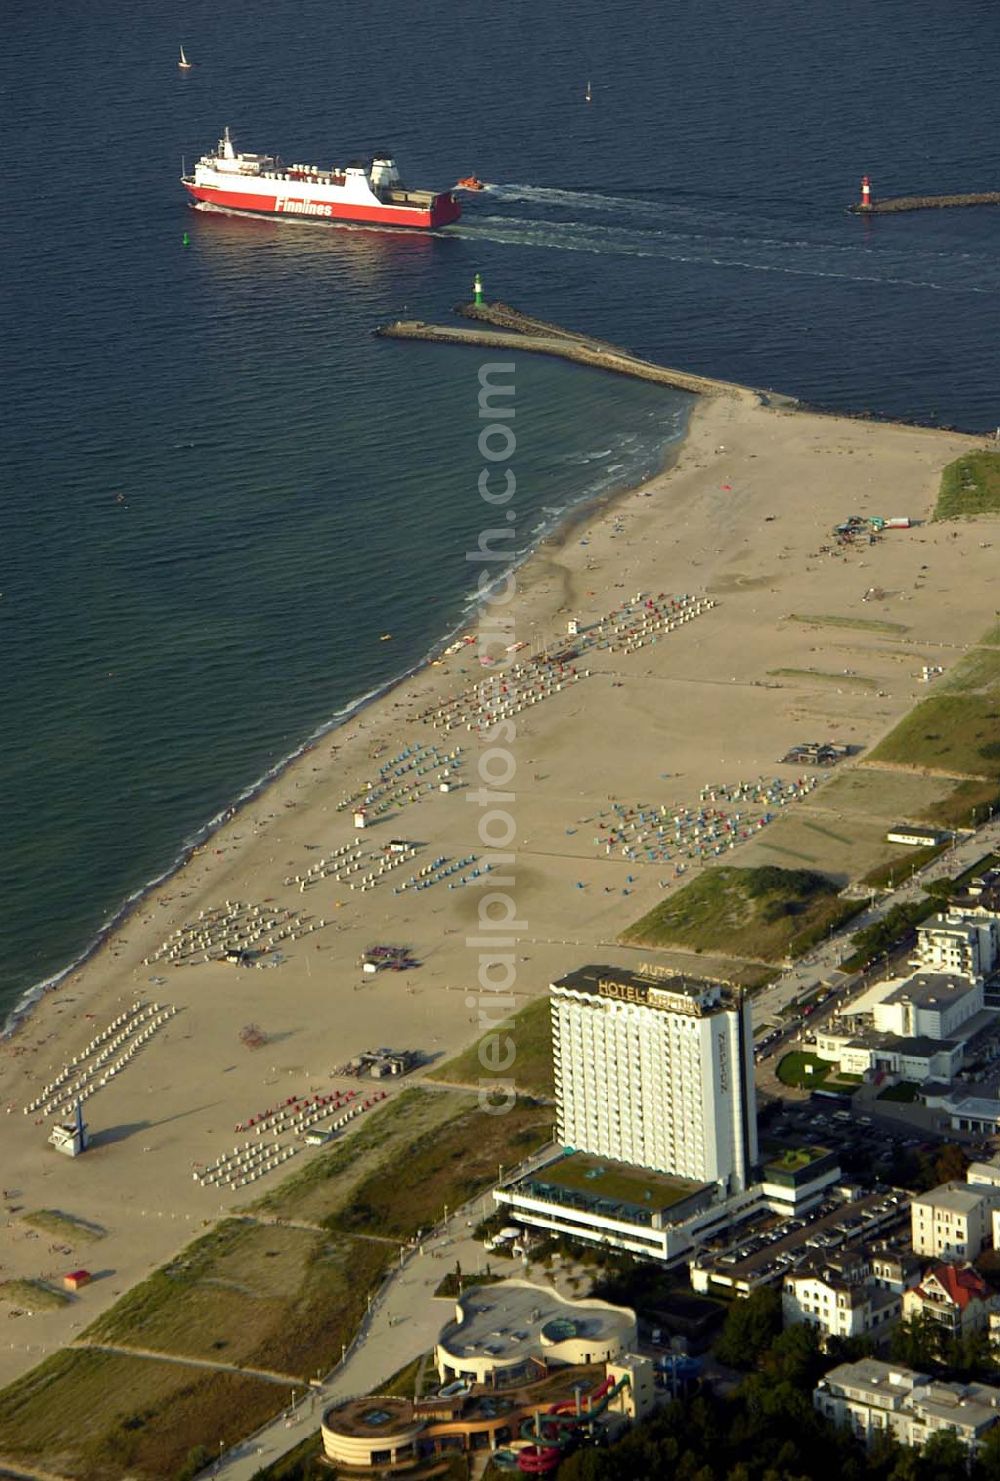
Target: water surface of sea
x=291 y=488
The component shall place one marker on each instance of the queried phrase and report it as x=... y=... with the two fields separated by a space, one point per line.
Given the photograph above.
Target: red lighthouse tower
x=866 y=193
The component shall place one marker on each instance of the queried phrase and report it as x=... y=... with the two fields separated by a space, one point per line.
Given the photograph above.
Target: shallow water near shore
x=219 y=492
x=196 y=636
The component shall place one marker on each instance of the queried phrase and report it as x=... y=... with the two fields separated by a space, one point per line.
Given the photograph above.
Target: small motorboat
x=183 y=62
x=386 y=638
x=470 y=182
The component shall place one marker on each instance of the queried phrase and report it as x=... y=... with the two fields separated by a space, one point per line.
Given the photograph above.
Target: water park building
x=530 y=1375
x=513 y=1329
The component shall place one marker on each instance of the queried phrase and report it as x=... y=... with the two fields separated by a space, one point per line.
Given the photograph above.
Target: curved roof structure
x=507 y=1324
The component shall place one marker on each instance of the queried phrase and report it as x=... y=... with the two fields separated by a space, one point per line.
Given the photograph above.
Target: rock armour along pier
x=499 y=326
x=925 y=203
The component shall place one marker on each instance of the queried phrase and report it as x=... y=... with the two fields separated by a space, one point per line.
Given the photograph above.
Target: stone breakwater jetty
x=924 y=203
x=498 y=326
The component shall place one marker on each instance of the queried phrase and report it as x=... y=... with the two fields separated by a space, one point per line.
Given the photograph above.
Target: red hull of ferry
x=442 y=211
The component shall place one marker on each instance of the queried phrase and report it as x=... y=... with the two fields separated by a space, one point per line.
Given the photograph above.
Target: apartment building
x=873 y=1398
x=953 y=942
x=953 y=1221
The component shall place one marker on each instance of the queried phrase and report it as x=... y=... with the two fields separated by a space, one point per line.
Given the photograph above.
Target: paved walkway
x=818 y=965
x=402 y=1324
x=822 y=965
x=406 y=1319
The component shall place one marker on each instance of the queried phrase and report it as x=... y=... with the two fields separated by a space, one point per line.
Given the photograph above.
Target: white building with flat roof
x=929 y=1004
x=976 y=1113
x=876 y=1399
x=656 y=1072
x=983 y=1175
x=953 y=1221
x=954 y=943
x=625 y=1208
x=656 y=1120
x=912 y=1059
x=917 y=835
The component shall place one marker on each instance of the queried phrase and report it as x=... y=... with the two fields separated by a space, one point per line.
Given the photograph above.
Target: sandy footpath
x=741 y=519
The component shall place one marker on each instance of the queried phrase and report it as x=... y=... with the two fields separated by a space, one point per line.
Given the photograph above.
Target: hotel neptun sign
x=649 y=995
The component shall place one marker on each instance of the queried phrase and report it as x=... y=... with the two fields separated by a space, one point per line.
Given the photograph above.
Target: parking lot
x=766 y=1252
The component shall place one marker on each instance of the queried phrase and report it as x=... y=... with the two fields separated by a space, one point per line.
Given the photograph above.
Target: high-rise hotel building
x=657 y=1072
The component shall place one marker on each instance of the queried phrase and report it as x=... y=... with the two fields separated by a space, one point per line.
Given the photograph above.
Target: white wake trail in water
x=689 y=235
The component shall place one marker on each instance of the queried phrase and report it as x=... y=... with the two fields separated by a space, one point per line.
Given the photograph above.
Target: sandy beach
x=650 y=715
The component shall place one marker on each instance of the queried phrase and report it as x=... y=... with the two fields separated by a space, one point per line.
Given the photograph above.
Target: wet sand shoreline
x=574 y=518
x=739 y=519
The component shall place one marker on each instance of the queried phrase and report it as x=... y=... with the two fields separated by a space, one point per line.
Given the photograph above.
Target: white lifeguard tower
x=70 y=1137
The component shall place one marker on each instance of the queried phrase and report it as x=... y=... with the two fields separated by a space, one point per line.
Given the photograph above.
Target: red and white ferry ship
x=263 y=184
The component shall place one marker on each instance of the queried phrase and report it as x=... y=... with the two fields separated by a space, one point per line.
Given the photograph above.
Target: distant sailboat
x=588 y=95
x=184 y=64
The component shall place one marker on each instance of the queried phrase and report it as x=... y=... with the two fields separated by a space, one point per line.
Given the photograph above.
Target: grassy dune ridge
x=970 y=485
x=766 y=913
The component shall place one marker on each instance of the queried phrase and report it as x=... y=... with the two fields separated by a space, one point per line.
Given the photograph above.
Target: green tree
x=847 y=1350
x=750 y=1328
x=585 y=1465
x=869 y=942
x=690 y=1470
x=795 y=1357
x=987 y=1466
x=883 y=1453
x=777 y=1405
x=950 y=1163
x=988 y=1265
x=197 y=1459
x=944 y=1458
x=968 y=1355
x=907 y=1466
x=901 y=1168
x=916 y=1343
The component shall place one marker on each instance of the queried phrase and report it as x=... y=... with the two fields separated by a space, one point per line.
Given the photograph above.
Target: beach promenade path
x=403 y=1323
x=405 y=1320
x=815 y=967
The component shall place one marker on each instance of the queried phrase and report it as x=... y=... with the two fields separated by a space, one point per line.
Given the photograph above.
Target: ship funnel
x=226 y=149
